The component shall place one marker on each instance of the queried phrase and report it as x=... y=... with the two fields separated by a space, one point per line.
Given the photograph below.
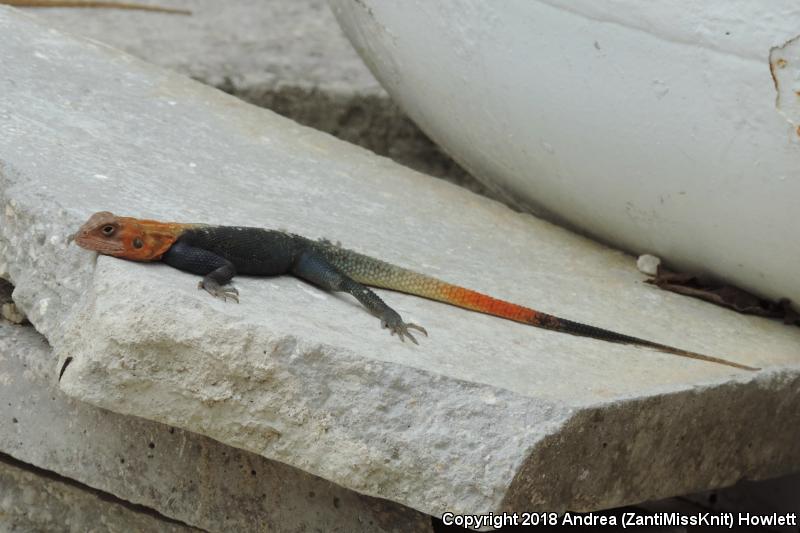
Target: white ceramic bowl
x=664 y=127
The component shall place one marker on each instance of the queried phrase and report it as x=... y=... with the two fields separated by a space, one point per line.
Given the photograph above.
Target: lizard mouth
x=99 y=246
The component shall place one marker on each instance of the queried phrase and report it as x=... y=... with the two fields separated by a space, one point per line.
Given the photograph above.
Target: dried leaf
x=725 y=295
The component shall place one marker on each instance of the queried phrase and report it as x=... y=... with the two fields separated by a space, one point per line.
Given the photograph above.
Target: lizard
x=218 y=253
x=89 y=3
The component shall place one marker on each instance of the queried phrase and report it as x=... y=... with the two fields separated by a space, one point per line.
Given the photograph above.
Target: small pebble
x=648 y=264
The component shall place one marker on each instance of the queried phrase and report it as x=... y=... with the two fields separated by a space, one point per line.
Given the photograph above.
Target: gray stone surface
x=182 y=475
x=31 y=502
x=486 y=414
x=287 y=55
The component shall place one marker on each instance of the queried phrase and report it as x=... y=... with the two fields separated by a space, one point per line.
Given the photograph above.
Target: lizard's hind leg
x=313 y=267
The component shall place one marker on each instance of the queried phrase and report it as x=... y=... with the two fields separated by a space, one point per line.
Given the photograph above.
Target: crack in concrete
x=104 y=496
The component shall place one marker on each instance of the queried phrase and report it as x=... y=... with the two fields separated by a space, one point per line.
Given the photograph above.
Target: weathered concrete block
x=32 y=501
x=485 y=415
x=182 y=475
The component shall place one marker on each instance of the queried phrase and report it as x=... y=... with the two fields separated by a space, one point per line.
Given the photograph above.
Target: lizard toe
x=214 y=289
x=417 y=327
x=232 y=295
x=406 y=333
x=401 y=329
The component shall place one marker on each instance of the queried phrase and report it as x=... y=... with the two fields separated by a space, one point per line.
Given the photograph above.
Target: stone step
x=179 y=474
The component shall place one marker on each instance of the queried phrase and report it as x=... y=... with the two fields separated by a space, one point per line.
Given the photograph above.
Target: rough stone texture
x=32 y=501
x=287 y=55
x=486 y=414
x=180 y=474
x=718 y=432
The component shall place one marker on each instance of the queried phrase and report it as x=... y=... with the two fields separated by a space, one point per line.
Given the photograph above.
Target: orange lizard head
x=128 y=238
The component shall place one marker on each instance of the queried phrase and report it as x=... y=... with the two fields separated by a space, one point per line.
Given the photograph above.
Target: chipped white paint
x=784 y=63
x=652 y=125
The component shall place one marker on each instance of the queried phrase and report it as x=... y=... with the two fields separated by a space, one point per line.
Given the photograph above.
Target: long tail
x=377 y=273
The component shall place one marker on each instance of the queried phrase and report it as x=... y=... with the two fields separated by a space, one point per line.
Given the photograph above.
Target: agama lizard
x=89 y=3
x=218 y=253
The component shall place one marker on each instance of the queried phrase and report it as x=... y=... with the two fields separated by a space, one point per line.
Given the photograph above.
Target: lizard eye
x=108 y=230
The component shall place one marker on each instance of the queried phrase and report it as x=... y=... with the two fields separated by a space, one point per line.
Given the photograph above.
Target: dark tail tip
x=585 y=330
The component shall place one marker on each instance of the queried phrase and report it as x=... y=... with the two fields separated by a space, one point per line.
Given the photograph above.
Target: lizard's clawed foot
x=215 y=289
x=401 y=328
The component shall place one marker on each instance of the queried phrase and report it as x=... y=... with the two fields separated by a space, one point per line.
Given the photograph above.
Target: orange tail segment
x=476 y=301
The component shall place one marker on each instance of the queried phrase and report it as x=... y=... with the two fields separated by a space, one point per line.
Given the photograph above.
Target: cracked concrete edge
x=181 y=475
x=25 y=236
x=313 y=406
x=35 y=500
x=604 y=461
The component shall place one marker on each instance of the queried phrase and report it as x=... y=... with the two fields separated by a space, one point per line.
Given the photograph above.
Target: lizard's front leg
x=216 y=270
x=313 y=267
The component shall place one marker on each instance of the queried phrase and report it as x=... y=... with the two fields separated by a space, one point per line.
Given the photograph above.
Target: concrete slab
x=289 y=56
x=33 y=501
x=484 y=415
x=179 y=474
